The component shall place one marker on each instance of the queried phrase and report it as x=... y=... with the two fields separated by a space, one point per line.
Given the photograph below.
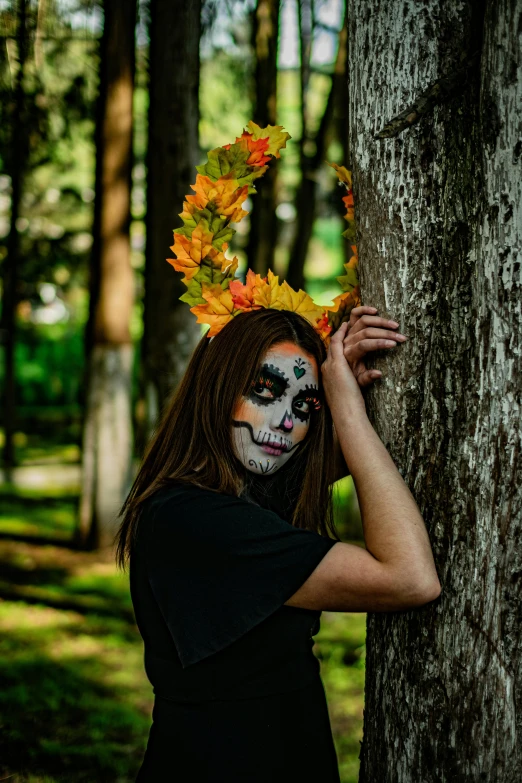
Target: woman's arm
x=396 y=570
x=365 y=333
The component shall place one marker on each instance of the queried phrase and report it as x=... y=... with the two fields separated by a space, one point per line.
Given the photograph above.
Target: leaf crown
x=222 y=185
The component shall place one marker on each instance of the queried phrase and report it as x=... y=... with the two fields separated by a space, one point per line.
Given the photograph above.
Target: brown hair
x=195 y=428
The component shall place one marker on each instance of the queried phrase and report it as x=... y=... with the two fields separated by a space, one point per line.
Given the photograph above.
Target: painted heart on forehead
x=271 y=421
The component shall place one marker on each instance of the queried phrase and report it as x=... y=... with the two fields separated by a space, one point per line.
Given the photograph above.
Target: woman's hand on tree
x=368 y=332
x=339 y=383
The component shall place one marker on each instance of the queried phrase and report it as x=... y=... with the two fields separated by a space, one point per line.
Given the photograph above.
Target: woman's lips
x=273 y=450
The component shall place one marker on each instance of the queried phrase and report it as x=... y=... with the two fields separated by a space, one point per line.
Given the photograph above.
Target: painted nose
x=286 y=423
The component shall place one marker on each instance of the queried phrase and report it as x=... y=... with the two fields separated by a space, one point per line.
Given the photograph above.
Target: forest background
x=75 y=703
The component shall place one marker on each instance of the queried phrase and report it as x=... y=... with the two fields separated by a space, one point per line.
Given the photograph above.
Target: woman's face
x=271 y=421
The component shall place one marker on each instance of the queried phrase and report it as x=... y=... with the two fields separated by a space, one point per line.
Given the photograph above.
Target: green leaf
x=349 y=280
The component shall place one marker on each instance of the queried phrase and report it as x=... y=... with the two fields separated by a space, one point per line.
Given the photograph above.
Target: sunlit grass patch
x=340 y=646
x=75 y=702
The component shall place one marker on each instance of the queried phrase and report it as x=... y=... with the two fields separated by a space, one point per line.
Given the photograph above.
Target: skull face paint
x=273 y=418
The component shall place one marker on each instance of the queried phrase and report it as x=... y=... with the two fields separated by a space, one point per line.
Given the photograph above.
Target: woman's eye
x=302 y=406
x=260 y=390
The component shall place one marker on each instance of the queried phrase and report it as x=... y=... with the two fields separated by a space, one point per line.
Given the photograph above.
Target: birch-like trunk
x=439 y=211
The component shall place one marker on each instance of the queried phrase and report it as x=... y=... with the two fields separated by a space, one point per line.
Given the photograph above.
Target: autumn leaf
x=218 y=309
x=350 y=279
x=243 y=295
x=224 y=161
x=344 y=175
x=285 y=298
x=277 y=137
x=190 y=252
x=263 y=294
x=255 y=147
x=342 y=307
x=223 y=196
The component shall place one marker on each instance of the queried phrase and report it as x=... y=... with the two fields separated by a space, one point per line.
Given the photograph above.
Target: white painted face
x=270 y=422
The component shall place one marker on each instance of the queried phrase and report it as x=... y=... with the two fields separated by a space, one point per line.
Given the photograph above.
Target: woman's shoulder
x=178 y=501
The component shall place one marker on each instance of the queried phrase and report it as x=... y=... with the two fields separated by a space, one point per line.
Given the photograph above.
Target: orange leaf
x=273 y=134
x=256 y=147
x=218 y=310
x=225 y=193
x=243 y=295
x=190 y=252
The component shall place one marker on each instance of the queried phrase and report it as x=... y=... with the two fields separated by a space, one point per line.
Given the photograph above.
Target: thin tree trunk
x=171 y=331
x=306 y=196
x=439 y=215
x=16 y=167
x=263 y=219
x=107 y=435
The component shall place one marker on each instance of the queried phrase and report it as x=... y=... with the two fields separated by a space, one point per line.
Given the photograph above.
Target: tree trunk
x=107 y=435
x=439 y=214
x=306 y=196
x=263 y=219
x=16 y=166
x=171 y=331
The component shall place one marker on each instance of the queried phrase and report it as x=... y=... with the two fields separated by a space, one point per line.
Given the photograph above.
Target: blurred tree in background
x=103 y=119
x=107 y=432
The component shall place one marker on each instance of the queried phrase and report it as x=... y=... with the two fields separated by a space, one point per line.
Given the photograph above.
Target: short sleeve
x=219 y=565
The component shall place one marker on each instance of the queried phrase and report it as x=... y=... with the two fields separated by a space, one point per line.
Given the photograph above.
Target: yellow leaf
x=218 y=310
x=285 y=298
x=263 y=293
x=277 y=137
x=190 y=252
x=343 y=174
x=225 y=193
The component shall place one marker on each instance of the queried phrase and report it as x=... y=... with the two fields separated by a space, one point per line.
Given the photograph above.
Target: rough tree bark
x=170 y=329
x=439 y=212
x=107 y=431
x=263 y=219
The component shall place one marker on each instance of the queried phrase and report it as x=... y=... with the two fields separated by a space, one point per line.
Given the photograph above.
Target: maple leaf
x=285 y=298
x=190 y=252
x=350 y=279
x=218 y=309
x=232 y=161
x=244 y=295
x=256 y=148
x=348 y=203
x=342 y=307
x=264 y=293
x=224 y=196
x=277 y=137
x=323 y=327
x=344 y=175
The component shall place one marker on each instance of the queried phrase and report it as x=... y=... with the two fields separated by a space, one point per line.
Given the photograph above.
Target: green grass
x=75 y=703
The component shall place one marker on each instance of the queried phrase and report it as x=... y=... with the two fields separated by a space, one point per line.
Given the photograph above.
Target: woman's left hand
x=368 y=332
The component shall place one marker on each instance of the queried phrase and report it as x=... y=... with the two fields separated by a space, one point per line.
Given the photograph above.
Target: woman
x=227 y=532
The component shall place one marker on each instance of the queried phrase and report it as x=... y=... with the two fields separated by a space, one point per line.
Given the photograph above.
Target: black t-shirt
x=209 y=577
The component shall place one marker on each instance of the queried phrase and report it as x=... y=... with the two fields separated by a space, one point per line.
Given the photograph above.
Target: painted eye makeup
x=267 y=386
x=307 y=401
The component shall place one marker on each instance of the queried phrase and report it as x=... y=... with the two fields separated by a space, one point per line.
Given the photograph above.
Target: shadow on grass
x=59 y=720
